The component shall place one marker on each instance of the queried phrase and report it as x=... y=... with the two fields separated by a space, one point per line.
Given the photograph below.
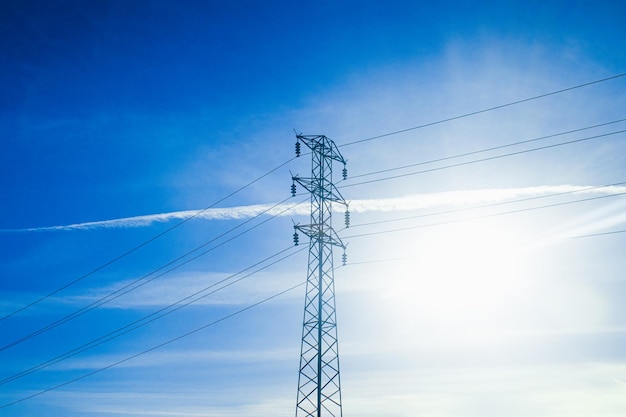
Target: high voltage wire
x=483 y=159
x=520 y=200
x=131 y=286
x=107 y=298
x=99 y=302
x=487 y=149
x=169 y=309
x=164 y=311
x=273 y=170
x=484 y=216
x=477 y=207
x=224 y=318
x=609 y=233
x=449 y=119
x=141 y=245
x=159 y=235
x=368 y=234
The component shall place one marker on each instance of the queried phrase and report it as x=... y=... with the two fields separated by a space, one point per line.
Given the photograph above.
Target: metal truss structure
x=319 y=387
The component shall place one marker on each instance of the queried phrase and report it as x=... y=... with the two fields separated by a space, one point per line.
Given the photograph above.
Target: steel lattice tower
x=319 y=387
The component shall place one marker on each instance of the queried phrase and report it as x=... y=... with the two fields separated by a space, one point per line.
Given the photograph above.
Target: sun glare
x=464 y=280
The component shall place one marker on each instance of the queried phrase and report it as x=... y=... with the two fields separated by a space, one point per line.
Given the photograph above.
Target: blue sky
x=485 y=279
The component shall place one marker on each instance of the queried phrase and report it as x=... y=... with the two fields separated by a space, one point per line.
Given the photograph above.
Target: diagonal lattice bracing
x=319 y=387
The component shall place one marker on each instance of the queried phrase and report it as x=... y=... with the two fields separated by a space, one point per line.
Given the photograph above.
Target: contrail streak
x=409 y=202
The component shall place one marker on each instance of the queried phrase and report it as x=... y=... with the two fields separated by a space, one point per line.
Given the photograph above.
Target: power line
x=404 y=258
x=100 y=302
x=110 y=298
x=91 y=344
x=484 y=216
x=487 y=149
x=136 y=248
x=491 y=215
x=137 y=324
x=582 y=190
x=167 y=342
x=139 y=282
x=296 y=286
x=167 y=310
x=484 y=159
x=226 y=317
x=449 y=119
x=159 y=235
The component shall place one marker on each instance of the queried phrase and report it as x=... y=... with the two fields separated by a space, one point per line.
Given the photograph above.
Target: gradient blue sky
x=111 y=110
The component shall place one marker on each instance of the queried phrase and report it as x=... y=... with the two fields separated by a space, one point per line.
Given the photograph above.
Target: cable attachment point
x=293 y=184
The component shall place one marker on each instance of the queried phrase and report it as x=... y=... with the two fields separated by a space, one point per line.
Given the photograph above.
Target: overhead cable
x=484 y=216
x=556 y=240
x=139 y=282
x=141 y=245
x=449 y=119
x=447 y=158
x=167 y=342
x=491 y=158
x=482 y=206
x=162 y=312
x=159 y=235
x=223 y=318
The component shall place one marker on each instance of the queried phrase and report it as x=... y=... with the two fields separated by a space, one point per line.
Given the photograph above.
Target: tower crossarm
x=319 y=233
x=328 y=192
x=322 y=145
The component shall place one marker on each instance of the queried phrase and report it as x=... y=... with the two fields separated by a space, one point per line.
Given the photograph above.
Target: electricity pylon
x=319 y=387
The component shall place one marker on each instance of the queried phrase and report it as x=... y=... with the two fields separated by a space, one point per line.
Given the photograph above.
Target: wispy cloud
x=191 y=288
x=200 y=401
x=409 y=202
x=179 y=357
x=539 y=391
